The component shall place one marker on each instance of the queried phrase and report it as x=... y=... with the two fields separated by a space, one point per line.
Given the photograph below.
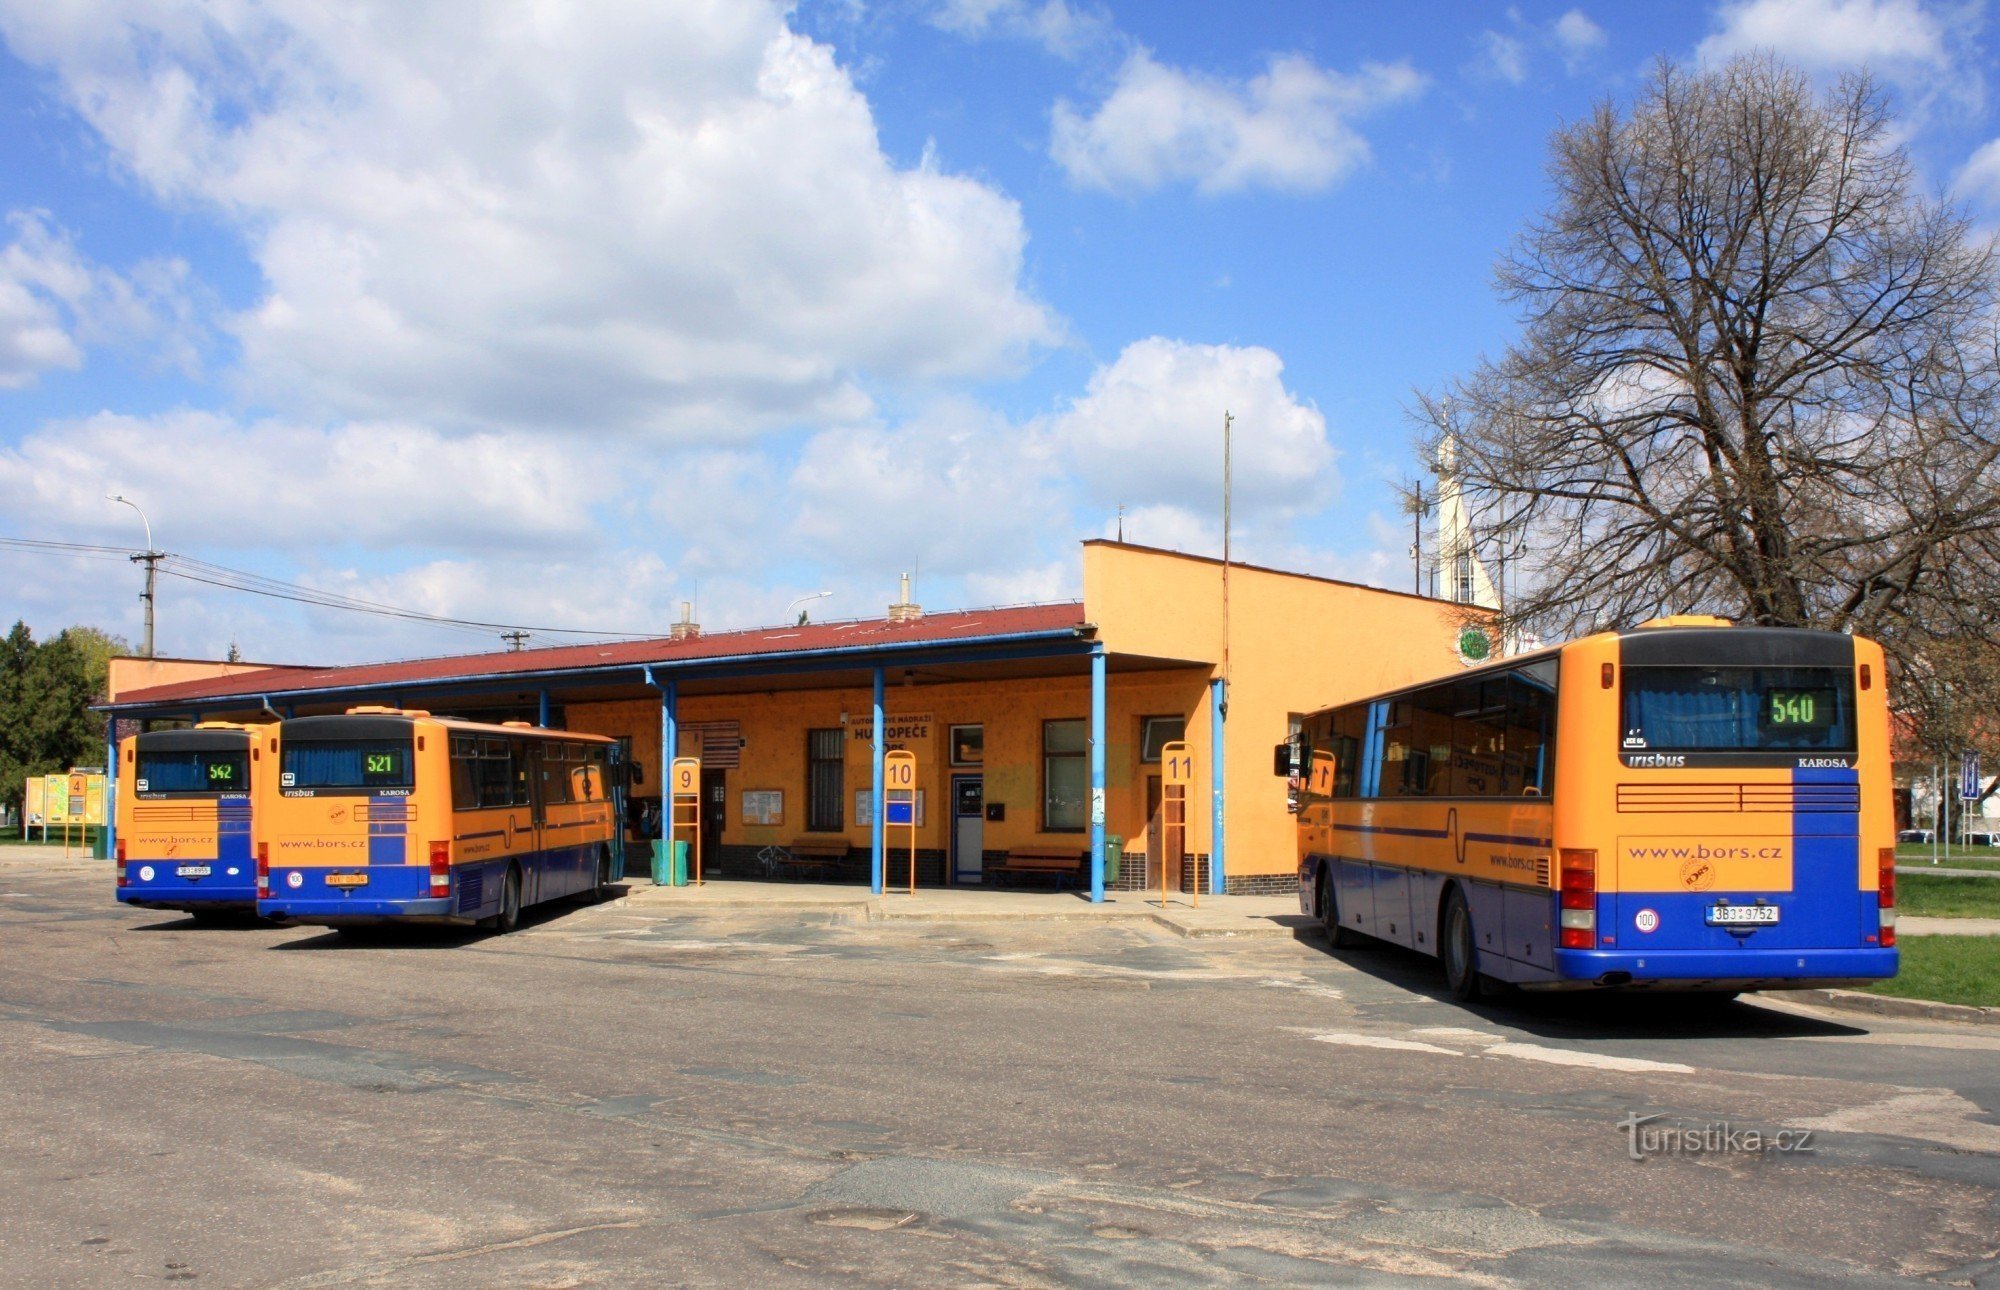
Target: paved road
x=618 y=1095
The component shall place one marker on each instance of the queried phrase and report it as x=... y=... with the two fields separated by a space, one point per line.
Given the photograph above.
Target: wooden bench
x=801 y=854
x=1065 y=866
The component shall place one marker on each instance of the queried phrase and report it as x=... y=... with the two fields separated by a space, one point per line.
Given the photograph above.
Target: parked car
x=1982 y=839
x=1924 y=836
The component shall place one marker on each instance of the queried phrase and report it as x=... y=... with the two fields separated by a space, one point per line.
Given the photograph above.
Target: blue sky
x=561 y=315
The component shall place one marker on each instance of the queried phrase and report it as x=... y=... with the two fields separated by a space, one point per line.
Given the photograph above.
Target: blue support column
x=110 y=790
x=1218 y=705
x=670 y=741
x=1097 y=739
x=875 y=837
x=543 y=719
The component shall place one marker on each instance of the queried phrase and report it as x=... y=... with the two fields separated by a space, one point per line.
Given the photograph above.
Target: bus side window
x=464 y=773
x=1530 y=733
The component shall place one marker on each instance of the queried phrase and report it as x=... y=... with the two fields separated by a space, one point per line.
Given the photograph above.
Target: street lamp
x=151 y=559
x=817 y=595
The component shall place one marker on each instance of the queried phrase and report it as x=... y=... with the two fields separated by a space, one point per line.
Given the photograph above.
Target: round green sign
x=1474 y=645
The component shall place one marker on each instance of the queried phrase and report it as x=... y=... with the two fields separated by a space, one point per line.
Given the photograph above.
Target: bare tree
x=1757 y=374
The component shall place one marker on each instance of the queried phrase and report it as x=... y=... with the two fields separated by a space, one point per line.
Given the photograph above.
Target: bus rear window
x=193 y=772
x=358 y=767
x=1738 y=709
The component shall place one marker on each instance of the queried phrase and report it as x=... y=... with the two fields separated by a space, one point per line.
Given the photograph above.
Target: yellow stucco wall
x=129 y=673
x=1297 y=643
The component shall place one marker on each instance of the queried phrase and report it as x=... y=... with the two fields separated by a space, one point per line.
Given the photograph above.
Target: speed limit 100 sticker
x=1646 y=920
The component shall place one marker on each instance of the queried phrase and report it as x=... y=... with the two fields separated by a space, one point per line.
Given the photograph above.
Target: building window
x=1065 y=776
x=826 y=779
x=1156 y=733
x=968 y=745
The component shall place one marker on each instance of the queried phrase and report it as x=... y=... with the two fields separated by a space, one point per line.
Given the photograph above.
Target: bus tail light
x=121 y=863
x=263 y=870
x=1578 y=900
x=1885 y=894
x=440 y=869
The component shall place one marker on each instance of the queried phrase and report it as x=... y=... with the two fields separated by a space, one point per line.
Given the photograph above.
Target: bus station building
x=1037 y=729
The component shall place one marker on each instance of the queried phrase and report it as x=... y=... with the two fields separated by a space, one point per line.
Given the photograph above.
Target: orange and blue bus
x=383 y=815
x=186 y=819
x=1686 y=805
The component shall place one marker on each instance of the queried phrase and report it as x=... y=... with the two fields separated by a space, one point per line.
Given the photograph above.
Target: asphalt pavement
x=639 y=1093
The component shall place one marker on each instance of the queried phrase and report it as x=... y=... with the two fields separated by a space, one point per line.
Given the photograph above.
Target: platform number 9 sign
x=687 y=776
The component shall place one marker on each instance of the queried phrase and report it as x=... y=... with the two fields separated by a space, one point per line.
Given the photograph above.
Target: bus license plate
x=191 y=871
x=347 y=880
x=1741 y=915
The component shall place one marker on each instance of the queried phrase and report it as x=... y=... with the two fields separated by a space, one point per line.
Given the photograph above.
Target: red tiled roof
x=933 y=628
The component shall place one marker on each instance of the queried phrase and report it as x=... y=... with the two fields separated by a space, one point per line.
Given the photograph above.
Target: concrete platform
x=1217 y=916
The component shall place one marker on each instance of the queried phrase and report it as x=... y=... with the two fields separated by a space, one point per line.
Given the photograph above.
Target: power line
x=205 y=572
x=81 y=550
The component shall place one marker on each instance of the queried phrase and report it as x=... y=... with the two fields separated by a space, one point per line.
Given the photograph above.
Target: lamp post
x=805 y=599
x=151 y=559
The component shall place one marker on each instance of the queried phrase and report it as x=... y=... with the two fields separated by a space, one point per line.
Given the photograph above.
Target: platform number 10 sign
x=1178 y=762
x=899 y=771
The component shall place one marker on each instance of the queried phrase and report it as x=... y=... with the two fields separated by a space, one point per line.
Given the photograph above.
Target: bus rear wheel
x=1455 y=947
x=605 y=877
x=509 y=916
x=1337 y=935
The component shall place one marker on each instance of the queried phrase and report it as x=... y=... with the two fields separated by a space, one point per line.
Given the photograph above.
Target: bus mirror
x=635 y=771
x=1281 y=760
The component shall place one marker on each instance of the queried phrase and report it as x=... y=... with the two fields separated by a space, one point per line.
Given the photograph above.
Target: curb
x=1883 y=1005
x=1209 y=931
x=875 y=909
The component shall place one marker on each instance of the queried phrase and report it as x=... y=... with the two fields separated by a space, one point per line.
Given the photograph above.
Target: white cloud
x=672 y=219
x=206 y=481
x=1288 y=128
x=955 y=488
x=1902 y=41
x=1578 y=37
x=1979 y=179
x=55 y=303
x=1056 y=25
x=1509 y=55
x=1504 y=55
x=1147 y=432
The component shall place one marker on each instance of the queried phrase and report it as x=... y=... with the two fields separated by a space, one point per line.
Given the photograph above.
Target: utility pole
x=151 y=559
x=515 y=639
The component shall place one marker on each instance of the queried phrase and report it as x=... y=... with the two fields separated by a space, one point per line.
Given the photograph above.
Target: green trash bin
x=674 y=874
x=100 y=849
x=1114 y=855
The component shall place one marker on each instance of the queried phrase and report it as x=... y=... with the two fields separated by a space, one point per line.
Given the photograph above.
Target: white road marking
x=1932 y=1114
x=1457 y=1032
x=1303 y=986
x=1596 y=1061
x=1354 y=1039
